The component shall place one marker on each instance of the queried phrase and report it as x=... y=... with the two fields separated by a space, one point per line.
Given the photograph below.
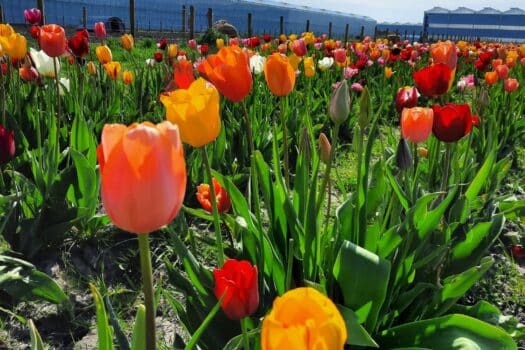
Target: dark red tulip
x=79 y=44
x=518 y=251
x=158 y=56
x=254 y=42
x=7 y=145
x=434 y=80
x=267 y=38
x=237 y=281
x=204 y=48
x=161 y=45
x=452 y=122
x=406 y=97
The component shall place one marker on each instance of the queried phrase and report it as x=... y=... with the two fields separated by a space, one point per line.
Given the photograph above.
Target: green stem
x=57 y=81
x=446 y=171
x=248 y=127
x=328 y=169
x=147 y=281
x=244 y=328
x=289 y=264
x=285 y=143
x=416 y=174
x=215 y=211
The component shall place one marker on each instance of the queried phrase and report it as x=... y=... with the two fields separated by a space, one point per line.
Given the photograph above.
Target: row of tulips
x=398 y=236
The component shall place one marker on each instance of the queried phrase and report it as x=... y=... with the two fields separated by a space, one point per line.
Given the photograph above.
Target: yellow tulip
x=292 y=37
x=104 y=54
x=196 y=111
x=173 y=49
x=522 y=49
x=309 y=38
x=112 y=69
x=303 y=319
x=6 y=30
x=127 y=42
x=388 y=72
x=219 y=43
x=294 y=61
x=282 y=38
x=309 y=67
x=14 y=45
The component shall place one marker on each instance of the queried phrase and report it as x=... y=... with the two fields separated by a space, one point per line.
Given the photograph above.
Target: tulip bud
x=92 y=69
x=483 y=99
x=219 y=42
x=340 y=103
x=27 y=72
x=324 y=148
x=7 y=145
x=100 y=30
x=423 y=152
x=364 y=110
x=406 y=98
x=403 y=156
x=33 y=16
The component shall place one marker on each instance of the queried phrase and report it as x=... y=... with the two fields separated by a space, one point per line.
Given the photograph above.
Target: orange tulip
x=127 y=42
x=388 y=72
x=279 y=75
x=52 y=40
x=229 y=71
x=503 y=71
x=127 y=77
x=143 y=175
x=491 y=78
x=183 y=74
x=113 y=69
x=416 y=123
x=511 y=84
x=444 y=52
x=103 y=53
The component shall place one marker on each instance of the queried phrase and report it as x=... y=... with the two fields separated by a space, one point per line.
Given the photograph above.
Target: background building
x=410 y=31
x=485 y=24
x=167 y=15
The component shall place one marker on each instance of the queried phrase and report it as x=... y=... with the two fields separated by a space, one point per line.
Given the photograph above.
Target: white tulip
x=326 y=63
x=150 y=62
x=64 y=83
x=43 y=63
x=257 y=64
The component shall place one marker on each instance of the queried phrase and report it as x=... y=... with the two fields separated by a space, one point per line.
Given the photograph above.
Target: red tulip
x=183 y=75
x=267 y=38
x=158 y=56
x=237 y=281
x=299 y=47
x=34 y=31
x=33 y=16
x=254 y=42
x=416 y=124
x=100 y=30
x=79 y=44
x=161 y=45
x=7 y=145
x=222 y=198
x=452 y=122
x=434 y=80
x=502 y=70
x=204 y=48
x=52 y=40
x=27 y=72
x=511 y=84
x=406 y=98
x=518 y=252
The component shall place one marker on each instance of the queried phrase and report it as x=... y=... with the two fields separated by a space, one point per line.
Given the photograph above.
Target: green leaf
x=363 y=279
x=36 y=339
x=138 y=339
x=458 y=332
x=103 y=329
x=481 y=177
x=197 y=334
x=356 y=334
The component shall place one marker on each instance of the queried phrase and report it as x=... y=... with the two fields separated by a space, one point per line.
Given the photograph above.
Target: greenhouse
x=167 y=15
x=485 y=24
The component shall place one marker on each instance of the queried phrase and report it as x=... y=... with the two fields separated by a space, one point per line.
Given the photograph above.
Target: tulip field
x=290 y=192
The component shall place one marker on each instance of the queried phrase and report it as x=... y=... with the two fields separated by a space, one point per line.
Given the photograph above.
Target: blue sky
x=404 y=10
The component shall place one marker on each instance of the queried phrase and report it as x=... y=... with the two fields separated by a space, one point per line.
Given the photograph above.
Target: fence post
x=40 y=6
x=307 y=25
x=406 y=34
x=347 y=27
x=281 y=24
x=329 y=30
x=132 y=17
x=184 y=19
x=250 y=25
x=84 y=16
x=362 y=34
x=210 y=17
x=192 y=22
x=413 y=35
x=1 y=14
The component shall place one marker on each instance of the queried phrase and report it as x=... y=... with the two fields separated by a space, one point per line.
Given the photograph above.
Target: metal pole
x=184 y=19
x=84 y=16
x=329 y=30
x=210 y=17
x=41 y=7
x=347 y=28
x=250 y=31
x=192 y=22
x=307 y=25
x=132 y=17
x=281 y=24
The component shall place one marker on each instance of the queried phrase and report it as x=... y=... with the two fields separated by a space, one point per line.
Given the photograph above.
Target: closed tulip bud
x=196 y=111
x=7 y=145
x=406 y=97
x=192 y=43
x=300 y=312
x=92 y=69
x=279 y=75
x=219 y=42
x=340 y=103
x=100 y=30
x=112 y=69
x=34 y=32
x=503 y=71
x=127 y=77
x=483 y=99
x=403 y=157
x=27 y=72
x=388 y=72
x=143 y=175
x=324 y=148
x=158 y=57
x=511 y=85
x=423 y=152
x=222 y=198
x=104 y=54
x=416 y=124
x=237 y=281
x=339 y=55
x=173 y=50
x=127 y=42
x=33 y=16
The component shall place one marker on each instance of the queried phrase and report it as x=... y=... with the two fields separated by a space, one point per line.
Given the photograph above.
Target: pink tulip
x=33 y=16
x=100 y=30
x=192 y=43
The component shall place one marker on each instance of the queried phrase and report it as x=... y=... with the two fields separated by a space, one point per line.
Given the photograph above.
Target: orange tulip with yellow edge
x=303 y=319
x=104 y=54
x=388 y=72
x=127 y=77
x=127 y=42
x=113 y=69
x=279 y=75
x=14 y=45
x=229 y=71
x=143 y=175
x=173 y=50
x=196 y=111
